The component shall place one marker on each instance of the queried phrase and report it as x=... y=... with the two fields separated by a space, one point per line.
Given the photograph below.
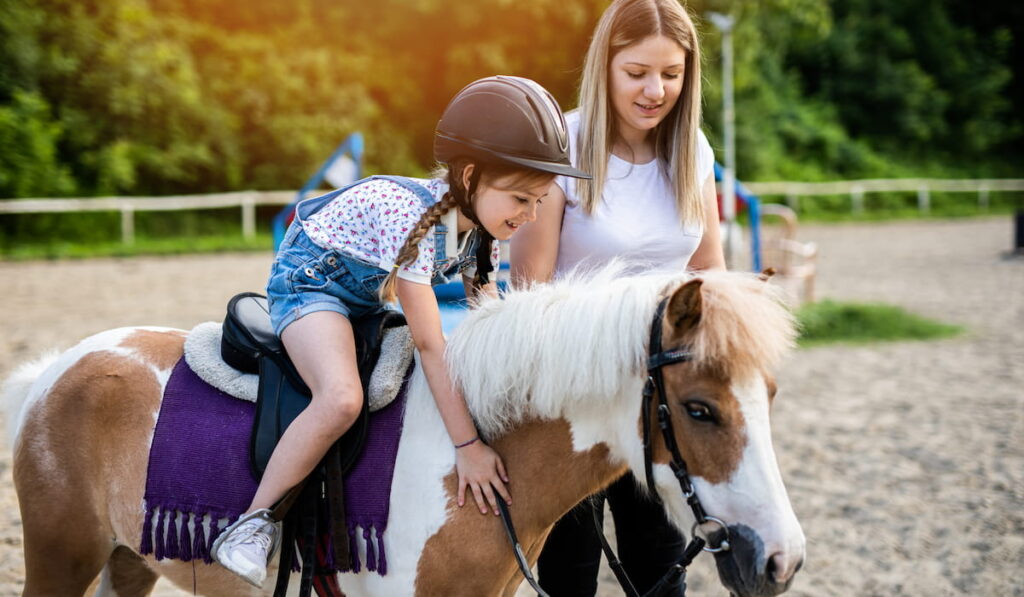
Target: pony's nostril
x=779 y=570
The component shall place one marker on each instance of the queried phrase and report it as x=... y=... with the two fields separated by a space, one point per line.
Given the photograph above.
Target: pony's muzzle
x=747 y=570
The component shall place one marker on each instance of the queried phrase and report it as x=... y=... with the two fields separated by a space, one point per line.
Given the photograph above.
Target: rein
x=655 y=385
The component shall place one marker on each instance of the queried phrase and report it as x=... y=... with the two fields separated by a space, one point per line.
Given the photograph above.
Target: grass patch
x=828 y=321
x=142 y=246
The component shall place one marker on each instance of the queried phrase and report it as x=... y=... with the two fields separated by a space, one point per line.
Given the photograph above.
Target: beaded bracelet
x=470 y=442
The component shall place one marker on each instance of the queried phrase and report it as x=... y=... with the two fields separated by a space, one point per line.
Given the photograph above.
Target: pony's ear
x=766 y=274
x=684 y=308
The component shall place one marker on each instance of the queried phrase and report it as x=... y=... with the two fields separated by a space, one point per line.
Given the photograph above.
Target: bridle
x=654 y=386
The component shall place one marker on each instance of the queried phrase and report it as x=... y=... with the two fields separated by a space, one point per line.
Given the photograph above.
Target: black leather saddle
x=249 y=344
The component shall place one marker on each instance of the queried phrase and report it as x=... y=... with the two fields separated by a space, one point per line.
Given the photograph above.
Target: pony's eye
x=699 y=411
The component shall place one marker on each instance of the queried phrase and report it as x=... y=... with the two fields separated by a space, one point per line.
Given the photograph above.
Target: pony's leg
x=126 y=575
x=67 y=538
x=81 y=456
x=63 y=554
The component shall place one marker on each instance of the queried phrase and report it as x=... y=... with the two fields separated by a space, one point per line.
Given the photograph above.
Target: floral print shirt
x=371 y=222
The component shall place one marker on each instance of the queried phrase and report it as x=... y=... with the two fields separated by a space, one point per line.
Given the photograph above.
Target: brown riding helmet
x=508 y=119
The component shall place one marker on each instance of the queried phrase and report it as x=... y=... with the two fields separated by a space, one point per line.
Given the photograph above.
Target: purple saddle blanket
x=199 y=479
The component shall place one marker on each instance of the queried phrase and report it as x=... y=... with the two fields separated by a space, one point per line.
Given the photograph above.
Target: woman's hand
x=481 y=469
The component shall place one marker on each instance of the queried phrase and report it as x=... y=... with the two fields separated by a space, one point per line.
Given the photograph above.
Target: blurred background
x=158 y=97
x=901 y=440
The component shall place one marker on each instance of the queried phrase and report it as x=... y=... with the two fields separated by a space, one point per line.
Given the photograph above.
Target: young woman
x=352 y=251
x=651 y=202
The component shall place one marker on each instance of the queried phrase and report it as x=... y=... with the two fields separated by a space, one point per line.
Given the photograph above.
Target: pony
x=553 y=375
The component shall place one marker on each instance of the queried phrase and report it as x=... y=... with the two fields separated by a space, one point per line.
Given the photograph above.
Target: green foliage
x=148 y=97
x=829 y=321
x=829 y=89
x=29 y=163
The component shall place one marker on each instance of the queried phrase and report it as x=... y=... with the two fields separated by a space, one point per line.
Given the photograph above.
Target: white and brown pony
x=553 y=376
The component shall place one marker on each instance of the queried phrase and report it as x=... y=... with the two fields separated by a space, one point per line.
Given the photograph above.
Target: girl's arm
x=535 y=245
x=709 y=253
x=478 y=466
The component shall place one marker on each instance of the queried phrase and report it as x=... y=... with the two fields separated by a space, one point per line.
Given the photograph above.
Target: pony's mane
x=540 y=349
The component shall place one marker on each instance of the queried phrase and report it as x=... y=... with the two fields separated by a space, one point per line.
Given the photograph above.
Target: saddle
x=249 y=344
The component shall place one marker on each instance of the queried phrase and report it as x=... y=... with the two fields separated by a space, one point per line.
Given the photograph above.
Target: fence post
x=127 y=224
x=857 y=199
x=793 y=202
x=923 y=199
x=983 y=198
x=248 y=217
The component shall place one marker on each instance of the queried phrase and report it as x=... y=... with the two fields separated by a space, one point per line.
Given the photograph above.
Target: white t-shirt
x=371 y=221
x=637 y=219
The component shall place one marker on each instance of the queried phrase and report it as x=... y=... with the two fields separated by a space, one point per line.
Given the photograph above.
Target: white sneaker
x=246 y=546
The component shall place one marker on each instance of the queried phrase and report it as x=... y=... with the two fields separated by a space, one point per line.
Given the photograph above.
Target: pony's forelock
x=745 y=326
x=542 y=349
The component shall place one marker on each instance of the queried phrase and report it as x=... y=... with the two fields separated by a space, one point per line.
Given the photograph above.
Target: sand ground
x=904 y=461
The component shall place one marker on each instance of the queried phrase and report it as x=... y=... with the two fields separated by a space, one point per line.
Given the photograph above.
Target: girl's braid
x=410 y=250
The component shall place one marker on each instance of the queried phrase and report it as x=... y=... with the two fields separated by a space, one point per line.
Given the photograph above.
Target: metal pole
x=725 y=23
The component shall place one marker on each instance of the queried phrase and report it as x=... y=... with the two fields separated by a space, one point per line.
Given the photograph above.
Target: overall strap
x=409 y=184
x=308 y=207
x=428 y=199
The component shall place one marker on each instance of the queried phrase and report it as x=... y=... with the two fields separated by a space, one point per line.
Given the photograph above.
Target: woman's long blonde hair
x=623 y=24
x=460 y=196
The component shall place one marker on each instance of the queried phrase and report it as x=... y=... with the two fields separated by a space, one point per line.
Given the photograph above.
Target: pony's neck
x=547 y=477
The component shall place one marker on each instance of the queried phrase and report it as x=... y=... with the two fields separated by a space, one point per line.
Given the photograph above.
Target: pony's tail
x=16 y=391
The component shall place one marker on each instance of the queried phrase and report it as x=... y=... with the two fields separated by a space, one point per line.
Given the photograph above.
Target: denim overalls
x=306 y=277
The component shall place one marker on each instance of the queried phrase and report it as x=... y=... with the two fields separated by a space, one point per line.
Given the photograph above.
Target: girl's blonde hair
x=623 y=24
x=458 y=195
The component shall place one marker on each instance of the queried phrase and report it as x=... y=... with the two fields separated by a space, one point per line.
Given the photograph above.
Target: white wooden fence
x=248 y=200
x=856 y=189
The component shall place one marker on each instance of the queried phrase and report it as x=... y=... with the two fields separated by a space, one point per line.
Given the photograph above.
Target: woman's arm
x=709 y=253
x=478 y=466
x=535 y=245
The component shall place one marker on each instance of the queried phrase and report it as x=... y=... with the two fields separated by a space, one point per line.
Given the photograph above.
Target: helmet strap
x=483 y=249
x=466 y=201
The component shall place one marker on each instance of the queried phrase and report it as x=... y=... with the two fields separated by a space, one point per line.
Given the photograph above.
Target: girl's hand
x=481 y=469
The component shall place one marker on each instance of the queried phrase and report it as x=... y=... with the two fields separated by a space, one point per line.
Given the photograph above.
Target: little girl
x=352 y=251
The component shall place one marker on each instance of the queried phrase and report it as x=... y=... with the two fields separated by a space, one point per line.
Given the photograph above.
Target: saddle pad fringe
x=372 y=536
x=166 y=541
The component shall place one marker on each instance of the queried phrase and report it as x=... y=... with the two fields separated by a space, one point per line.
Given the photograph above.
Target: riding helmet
x=507 y=119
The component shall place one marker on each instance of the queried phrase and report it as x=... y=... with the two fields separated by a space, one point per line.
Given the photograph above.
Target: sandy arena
x=904 y=461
